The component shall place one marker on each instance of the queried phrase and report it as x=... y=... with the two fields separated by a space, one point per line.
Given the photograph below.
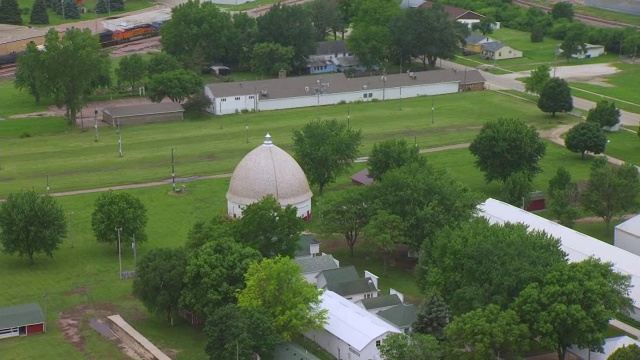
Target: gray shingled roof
x=342 y=274
x=357 y=286
x=144 y=109
x=317 y=264
x=401 y=316
x=475 y=38
x=21 y=315
x=304 y=244
x=493 y=46
x=331 y=47
x=336 y=83
x=381 y=301
x=362 y=177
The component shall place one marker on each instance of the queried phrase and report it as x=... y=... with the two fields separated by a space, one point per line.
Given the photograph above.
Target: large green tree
x=537 y=79
x=160 y=280
x=465 y=269
x=131 y=70
x=505 y=147
x=220 y=226
x=555 y=96
x=585 y=136
x=562 y=10
x=215 y=273
x=326 y=17
x=563 y=193
x=485 y=25
x=631 y=352
x=10 y=12
x=30 y=75
x=325 y=149
x=245 y=32
x=611 y=190
x=370 y=39
x=160 y=63
x=414 y=346
x=573 y=44
x=347 y=212
x=269 y=228
x=31 y=223
x=517 y=188
x=294 y=307
x=433 y=316
x=605 y=114
x=289 y=26
x=39 y=13
x=383 y=234
x=270 y=58
x=176 y=85
x=233 y=333
x=573 y=303
x=391 y=154
x=119 y=210
x=487 y=333
x=426 y=197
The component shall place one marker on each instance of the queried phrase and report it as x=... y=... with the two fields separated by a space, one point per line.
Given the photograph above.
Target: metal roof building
x=145 y=113
x=21 y=320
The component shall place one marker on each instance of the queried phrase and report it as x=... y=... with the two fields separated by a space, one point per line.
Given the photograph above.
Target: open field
x=596 y=12
x=623 y=86
x=55 y=19
x=625 y=146
x=74 y=161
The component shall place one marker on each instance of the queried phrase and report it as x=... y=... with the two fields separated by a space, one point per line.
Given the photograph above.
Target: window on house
x=223 y=99
x=500 y=54
x=237 y=97
x=370 y=95
x=364 y=96
x=251 y=96
x=378 y=343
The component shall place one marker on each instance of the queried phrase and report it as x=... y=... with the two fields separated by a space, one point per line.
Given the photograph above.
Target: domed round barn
x=266 y=170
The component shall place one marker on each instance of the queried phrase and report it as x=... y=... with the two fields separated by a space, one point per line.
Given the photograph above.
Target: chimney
x=394 y=291
x=374 y=278
x=282 y=74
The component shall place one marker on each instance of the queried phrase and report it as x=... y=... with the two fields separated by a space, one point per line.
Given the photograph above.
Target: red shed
x=21 y=320
x=536 y=201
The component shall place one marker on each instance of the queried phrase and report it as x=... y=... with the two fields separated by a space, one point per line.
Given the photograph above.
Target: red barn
x=536 y=201
x=21 y=320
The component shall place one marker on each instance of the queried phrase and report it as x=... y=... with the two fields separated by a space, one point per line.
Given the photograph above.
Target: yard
x=73 y=160
x=624 y=145
x=622 y=86
x=55 y=19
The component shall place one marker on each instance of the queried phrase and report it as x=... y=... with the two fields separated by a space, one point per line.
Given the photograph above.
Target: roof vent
x=267 y=140
x=364 y=87
x=264 y=93
x=306 y=88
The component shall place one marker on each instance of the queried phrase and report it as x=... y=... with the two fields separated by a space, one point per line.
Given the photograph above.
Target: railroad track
x=583 y=18
x=7 y=70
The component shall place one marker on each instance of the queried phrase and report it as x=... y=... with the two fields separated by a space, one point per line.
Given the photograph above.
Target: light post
x=48 y=188
x=433 y=109
x=95 y=122
x=119 y=251
x=44 y=300
x=173 y=172
x=246 y=129
x=384 y=83
x=71 y=223
x=62 y=6
x=135 y=250
x=348 y=117
x=119 y=140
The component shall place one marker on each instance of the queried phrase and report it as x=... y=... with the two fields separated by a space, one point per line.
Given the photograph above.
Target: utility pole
x=173 y=172
x=119 y=140
x=135 y=250
x=71 y=221
x=433 y=109
x=48 y=188
x=246 y=129
x=119 y=251
x=95 y=122
x=44 y=300
x=400 y=102
x=348 y=116
x=62 y=6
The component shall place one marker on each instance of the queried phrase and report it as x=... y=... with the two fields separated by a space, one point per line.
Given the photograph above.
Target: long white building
x=328 y=89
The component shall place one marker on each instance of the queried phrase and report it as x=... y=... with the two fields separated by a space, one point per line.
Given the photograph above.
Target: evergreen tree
x=10 y=12
x=71 y=10
x=432 y=317
x=116 y=5
x=39 y=13
x=101 y=7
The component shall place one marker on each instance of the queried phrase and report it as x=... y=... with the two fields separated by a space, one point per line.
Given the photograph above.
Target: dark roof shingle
x=357 y=286
x=381 y=301
x=401 y=315
x=331 y=47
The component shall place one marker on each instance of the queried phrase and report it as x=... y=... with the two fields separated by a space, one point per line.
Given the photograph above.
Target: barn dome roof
x=268 y=169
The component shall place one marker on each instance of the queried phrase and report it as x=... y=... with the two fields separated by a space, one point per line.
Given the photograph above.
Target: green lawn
x=599 y=13
x=624 y=145
x=55 y=19
x=74 y=161
x=249 y=5
x=624 y=86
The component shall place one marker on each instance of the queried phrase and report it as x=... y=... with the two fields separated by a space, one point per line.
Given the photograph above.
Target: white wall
x=235 y=210
x=341 y=350
x=627 y=241
x=358 y=297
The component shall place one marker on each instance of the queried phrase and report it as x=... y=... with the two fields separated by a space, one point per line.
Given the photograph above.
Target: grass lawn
x=74 y=161
x=55 y=19
x=599 y=13
x=624 y=145
x=624 y=86
x=249 y=5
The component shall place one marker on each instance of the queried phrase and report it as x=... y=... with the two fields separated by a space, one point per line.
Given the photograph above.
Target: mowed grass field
x=624 y=85
x=624 y=145
x=55 y=19
x=73 y=160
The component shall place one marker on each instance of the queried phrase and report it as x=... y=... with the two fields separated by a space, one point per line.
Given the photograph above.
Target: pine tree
x=39 y=13
x=433 y=316
x=10 y=12
x=117 y=5
x=71 y=10
x=101 y=7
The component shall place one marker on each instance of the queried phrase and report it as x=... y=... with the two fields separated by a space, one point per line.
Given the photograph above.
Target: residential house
x=313 y=266
x=610 y=346
x=303 y=91
x=308 y=246
x=401 y=316
x=347 y=283
x=589 y=51
x=576 y=245
x=627 y=235
x=380 y=303
x=351 y=332
x=326 y=52
x=361 y=178
x=474 y=42
x=22 y=320
x=498 y=51
x=411 y=4
x=459 y=14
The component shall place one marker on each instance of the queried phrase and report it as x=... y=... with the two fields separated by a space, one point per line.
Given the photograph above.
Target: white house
x=328 y=89
x=496 y=50
x=308 y=246
x=610 y=346
x=578 y=246
x=590 y=51
x=347 y=283
x=376 y=304
x=313 y=266
x=351 y=332
x=627 y=235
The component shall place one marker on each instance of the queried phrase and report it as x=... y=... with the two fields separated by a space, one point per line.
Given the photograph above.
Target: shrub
x=196 y=106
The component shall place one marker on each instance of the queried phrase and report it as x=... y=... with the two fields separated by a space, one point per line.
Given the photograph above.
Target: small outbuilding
x=361 y=178
x=627 y=235
x=21 y=320
x=146 y=113
x=536 y=201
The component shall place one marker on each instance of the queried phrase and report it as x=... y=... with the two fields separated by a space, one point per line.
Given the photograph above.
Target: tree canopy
x=161 y=62
x=573 y=303
x=10 y=12
x=383 y=234
x=370 y=39
x=538 y=78
x=293 y=308
x=562 y=10
x=604 y=114
x=201 y=232
x=347 y=212
x=391 y=154
x=30 y=224
x=433 y=316
x=631 y=352
x=563 y=193
x=30 y=74
x=119 y=210
x=39 y=13
x=131 y=70
x=485 y=25
x=177 y=85
x=465 y=269
x=555 y=96
x=517 y=188
x=585 y=136
x=270 y=58
x=160 y=279
x=325 y=149
x=414 y=346
x=507 y=146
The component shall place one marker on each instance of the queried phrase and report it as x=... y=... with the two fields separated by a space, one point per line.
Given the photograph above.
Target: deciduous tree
x=573 y=303
x=555 y=97
x=605 y=114
x=507 y=146
x=294 y=307
x=30 y=224
x=215 y=273
x=245 y=32
x=30 y=75
x=39 y=13
x=573 y=44
x=177 y=85
x=465 y=269
x=517 y=188
x=391 y=154
x=326 y=17
x=270 y=58
x=433 y=316
x=631 y=352
x=201 y=232
x=119 y=210
x=347 y=212
x=131 y=70
x=538 y=78
x=370 y=39
x=414 y=346
x=585 y=136
x=269 y=228
x=383 y=234
x=162 y=62
x=325 y=149
x=562 y=10
x=611 y=190
x=160 y=280
x=485 y=25
x=487 y=333
x=563 y=193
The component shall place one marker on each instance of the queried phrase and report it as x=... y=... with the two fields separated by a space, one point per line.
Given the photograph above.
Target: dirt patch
x=36 y=114
x=77 y=291
x=210 y=158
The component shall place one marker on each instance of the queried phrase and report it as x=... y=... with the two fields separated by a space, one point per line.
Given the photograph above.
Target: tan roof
x=11 y=33
x=266 y=170
x=144 y=109
x=336 y=83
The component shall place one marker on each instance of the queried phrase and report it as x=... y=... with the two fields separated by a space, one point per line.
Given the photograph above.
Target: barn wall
x=627 y=241
x=35 y=329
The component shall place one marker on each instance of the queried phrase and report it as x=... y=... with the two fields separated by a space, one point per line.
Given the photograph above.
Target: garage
x=21 y=320
x=145 y=113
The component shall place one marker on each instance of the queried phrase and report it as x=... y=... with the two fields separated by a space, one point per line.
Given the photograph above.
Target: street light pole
x=433 y=109
x=173 y=172
x=95 y=122
x=119 y=140
x=71 y=221
x=62 y=6
x=44 y=300
x=135 y=250
x=119 y=251
x=48 y=188
x=348 y=116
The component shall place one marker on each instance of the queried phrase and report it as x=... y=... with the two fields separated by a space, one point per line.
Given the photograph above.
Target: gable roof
x=21 y=315
x=455 y=12
x=144 y=109
x=317 y=263
x=578 y=246
x=357 y=286
x=362 y=177
x=331 y=47
x=401 y=315
x=493 y=46
x=477 y=38
x=351 y=323
x=410 y=4
x=631 y=226
x=609 y=347
x=339 y=275
x=304 y=244
x=381 y=301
